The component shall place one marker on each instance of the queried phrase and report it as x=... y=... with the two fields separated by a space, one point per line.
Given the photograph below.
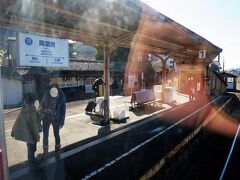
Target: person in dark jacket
x=26 y=127
x=53 y=107
x=96 y=86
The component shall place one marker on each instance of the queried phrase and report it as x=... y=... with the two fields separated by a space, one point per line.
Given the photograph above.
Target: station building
x=231 y=80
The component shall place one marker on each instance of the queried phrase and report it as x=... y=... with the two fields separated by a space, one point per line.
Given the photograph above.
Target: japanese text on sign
x=42 y=51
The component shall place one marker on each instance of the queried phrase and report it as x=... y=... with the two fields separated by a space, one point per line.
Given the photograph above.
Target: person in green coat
x=27 y=126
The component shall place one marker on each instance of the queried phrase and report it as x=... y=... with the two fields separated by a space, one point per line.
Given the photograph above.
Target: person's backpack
x=91 y=106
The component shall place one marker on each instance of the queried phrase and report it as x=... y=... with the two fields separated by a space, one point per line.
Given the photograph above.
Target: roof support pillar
x=164 y=68
x=164 y=71
x=106 y=74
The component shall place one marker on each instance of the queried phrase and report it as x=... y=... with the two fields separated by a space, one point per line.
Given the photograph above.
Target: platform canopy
x=108 y=24
x=112 y=23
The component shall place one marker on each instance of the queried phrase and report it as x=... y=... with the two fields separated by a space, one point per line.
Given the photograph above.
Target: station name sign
x=42 y=51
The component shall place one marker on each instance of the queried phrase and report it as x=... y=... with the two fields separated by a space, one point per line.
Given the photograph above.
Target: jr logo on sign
x=28 y=41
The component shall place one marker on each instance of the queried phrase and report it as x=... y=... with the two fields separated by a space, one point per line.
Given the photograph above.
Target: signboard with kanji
x=42 y=51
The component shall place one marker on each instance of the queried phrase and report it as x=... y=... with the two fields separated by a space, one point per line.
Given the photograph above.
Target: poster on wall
x=42 y=51
x=131 y=81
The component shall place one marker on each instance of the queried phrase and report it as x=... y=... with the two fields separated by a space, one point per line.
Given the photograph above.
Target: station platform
x=82 y=156
x=79 y=127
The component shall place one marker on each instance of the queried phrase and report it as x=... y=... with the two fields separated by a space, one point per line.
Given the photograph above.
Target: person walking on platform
x=27 y=126
x=191 y=88
x=53 y=107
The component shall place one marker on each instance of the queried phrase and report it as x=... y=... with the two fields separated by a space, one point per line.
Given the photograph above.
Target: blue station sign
x=42 y=51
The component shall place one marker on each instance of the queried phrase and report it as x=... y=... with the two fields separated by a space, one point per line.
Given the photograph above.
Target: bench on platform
x=144 y=97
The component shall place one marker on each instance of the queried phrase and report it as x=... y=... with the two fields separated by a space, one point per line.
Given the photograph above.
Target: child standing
x=26 y=128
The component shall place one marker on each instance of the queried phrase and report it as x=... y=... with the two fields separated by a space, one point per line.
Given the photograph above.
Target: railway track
x=210 y=155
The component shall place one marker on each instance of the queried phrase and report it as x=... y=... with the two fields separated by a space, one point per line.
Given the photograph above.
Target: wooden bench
x=144 y=97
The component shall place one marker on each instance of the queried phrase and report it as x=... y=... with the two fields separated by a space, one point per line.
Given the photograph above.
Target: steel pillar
x=3 y=158
x=106 y=57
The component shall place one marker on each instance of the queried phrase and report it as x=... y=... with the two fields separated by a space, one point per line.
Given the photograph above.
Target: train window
x=146 y=106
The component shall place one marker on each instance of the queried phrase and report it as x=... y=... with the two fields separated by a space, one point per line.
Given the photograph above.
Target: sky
x=218 y=21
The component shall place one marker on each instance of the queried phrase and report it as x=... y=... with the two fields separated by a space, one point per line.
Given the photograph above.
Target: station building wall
x=216 y=84
x=186 y=71
x=12 y=92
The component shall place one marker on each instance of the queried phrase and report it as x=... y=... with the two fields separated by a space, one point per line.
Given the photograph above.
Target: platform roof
x=113 y=23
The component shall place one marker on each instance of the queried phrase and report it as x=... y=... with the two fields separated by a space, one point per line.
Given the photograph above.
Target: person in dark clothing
x=96 y=85
x=53 y=107
x=26 y=127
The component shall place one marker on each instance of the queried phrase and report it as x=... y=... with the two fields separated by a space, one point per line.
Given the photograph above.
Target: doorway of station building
x=192 y=80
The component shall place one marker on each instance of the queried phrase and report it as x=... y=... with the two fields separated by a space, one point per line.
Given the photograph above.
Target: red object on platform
x=1 y=165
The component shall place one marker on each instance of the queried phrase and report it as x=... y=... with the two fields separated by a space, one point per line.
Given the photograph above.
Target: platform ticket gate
x=3 y=152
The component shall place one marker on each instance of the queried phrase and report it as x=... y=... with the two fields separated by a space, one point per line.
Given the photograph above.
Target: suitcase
x=91 y=106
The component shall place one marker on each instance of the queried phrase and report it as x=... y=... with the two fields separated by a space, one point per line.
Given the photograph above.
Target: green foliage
x=118 y=55
x=84 y=50
x=99 y=55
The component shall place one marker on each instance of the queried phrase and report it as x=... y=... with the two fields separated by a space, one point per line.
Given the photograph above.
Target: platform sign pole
x=3 y=158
